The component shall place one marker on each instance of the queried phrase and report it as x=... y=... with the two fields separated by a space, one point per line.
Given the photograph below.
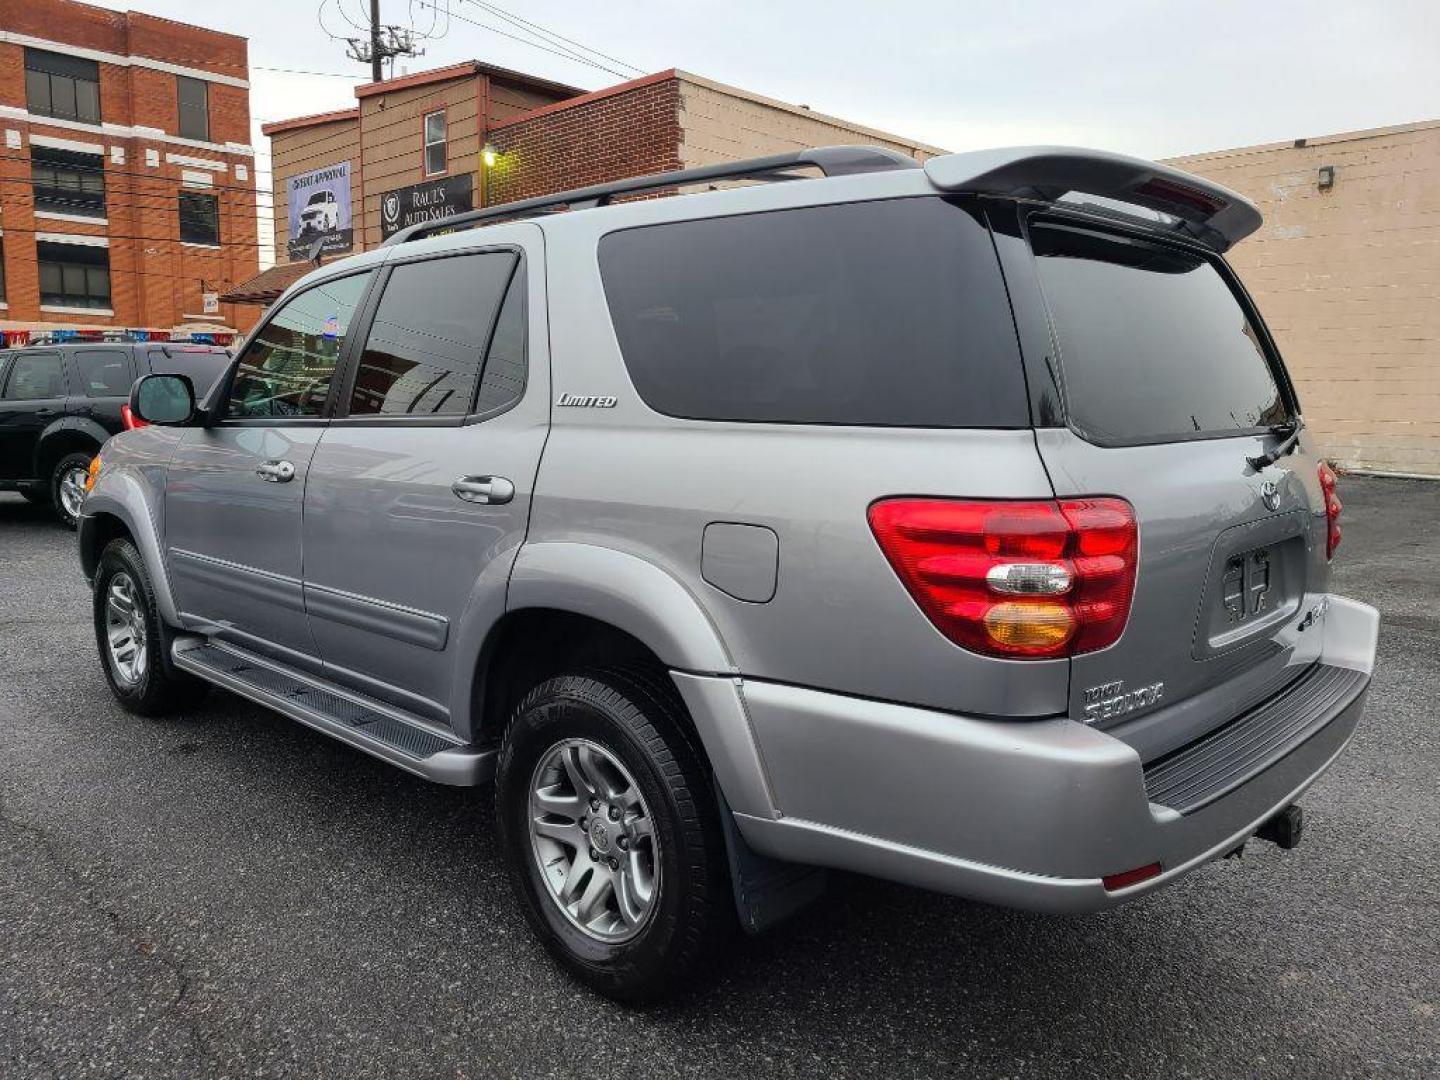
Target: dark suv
x=59 y=403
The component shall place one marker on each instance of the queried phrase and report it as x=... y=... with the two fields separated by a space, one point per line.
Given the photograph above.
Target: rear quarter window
x=1154 y=344
x=889 y=313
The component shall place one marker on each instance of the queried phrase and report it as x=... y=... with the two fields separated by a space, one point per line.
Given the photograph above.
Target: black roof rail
x=830 y=160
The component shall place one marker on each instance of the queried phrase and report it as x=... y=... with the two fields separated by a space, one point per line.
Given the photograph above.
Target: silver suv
x=952 y=524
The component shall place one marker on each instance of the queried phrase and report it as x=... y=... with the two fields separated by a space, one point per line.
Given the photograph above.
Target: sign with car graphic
x=319 y=203
x=425 y=202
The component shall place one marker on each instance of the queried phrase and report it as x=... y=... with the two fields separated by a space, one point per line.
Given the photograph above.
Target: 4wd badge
x=1111 y=699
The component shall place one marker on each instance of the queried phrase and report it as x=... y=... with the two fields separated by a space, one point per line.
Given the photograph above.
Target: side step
x=365 y=724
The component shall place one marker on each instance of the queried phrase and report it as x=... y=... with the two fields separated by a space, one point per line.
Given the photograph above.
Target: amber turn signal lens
x=92 y=474
x=1027 y=627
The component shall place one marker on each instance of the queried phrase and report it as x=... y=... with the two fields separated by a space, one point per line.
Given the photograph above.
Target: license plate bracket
x=1256 y=580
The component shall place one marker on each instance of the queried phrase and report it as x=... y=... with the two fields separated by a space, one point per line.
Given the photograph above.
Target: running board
x=365 y=724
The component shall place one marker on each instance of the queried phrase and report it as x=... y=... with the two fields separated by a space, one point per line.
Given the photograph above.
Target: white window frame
x=427 y=142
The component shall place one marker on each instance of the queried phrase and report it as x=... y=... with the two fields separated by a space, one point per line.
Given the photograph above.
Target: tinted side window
x=884 y=313
x=34 y=377
x=1154 y=345
x=503 y=381
x=105 y=372
x=426 y=346
x=286 y=370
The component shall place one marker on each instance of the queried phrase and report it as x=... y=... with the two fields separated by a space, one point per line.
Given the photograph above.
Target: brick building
x=126 y=176
x=1347 y=271
x=418 y=145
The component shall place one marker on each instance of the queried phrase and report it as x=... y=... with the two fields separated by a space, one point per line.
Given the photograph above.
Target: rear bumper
x=1034 y=814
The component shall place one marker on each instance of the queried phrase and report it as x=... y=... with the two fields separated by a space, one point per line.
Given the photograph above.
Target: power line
x=533 y=44
x=510 y=17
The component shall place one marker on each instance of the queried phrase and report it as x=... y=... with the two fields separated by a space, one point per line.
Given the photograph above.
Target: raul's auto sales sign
x=425 y=202
x=319 y=204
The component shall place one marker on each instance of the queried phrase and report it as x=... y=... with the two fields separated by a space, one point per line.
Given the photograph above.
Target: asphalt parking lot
x=231 y=894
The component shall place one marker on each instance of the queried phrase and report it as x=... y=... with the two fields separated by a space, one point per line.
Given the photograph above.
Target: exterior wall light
x=1327 y=177
x=489 y=155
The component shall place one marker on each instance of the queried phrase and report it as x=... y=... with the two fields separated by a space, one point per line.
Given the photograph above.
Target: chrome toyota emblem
x=1270 y=494
x=599 y=835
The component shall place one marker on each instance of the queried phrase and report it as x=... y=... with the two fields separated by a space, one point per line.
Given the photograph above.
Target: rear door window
x=888 y=313
x=35 y=376
x=105 y=373
x=426 y=348
x=1154 y=344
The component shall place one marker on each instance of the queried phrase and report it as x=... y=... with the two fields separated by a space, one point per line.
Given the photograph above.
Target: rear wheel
x=611 y=832
x=67 y=486
x=133 y=641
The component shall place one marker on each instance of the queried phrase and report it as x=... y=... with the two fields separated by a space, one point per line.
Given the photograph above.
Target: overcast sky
x=1155 y=78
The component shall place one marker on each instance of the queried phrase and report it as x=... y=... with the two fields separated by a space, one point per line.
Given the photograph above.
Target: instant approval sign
x=319 y=205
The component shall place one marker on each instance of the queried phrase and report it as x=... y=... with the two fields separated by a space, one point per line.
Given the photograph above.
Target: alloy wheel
x=125 y=630
x=72 y=490
x=594 y=840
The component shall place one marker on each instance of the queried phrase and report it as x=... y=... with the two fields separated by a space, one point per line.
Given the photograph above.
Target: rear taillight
x=128 y=419
x=1332 y=509
x=1015 y=579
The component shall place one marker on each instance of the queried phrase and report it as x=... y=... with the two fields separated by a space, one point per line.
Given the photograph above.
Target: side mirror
x=165 y=400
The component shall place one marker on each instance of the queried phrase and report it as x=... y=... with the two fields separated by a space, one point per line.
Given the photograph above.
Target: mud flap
x=767 y=891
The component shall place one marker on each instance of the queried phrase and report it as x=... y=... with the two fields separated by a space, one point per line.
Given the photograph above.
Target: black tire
x=63 y=468
x=638 y=719
x=161 y=688
x=36 y=495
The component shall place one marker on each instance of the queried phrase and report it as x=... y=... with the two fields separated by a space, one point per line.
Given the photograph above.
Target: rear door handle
x=277 y=472
x=489 y=490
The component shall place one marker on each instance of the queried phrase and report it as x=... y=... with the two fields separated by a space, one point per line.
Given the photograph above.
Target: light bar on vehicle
x=1216 y=216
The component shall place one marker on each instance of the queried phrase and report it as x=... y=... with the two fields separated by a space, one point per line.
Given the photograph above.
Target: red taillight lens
x=129 y=420
x=1332 y=509
x=1015 y=579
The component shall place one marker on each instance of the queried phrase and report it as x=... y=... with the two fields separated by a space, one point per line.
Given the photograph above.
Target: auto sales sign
x=319 y=203
x=425 y=202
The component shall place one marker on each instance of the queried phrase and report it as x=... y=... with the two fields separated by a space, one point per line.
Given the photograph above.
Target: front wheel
x=133 y=640
x=610 y=830
x=67 y=486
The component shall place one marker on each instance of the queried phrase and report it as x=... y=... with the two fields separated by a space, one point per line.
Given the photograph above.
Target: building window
x=66 y=87
x=73 y=275
x=199 y=218
x=194 y=98
x=67 y=182
x=436 y=156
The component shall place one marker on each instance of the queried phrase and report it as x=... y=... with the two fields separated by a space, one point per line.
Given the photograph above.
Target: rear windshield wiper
x=1289 y=435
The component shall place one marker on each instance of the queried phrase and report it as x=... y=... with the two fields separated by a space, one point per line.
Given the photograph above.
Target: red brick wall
x=602 y=137
x=155 y=280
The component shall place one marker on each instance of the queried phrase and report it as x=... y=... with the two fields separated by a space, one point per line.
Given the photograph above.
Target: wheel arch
x=119 y=505
x=69 y=434
x=573 y=605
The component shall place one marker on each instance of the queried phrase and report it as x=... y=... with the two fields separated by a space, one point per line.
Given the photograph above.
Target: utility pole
x=376 y=57
x=385 y=43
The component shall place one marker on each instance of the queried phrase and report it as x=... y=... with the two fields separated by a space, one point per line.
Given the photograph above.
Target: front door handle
x=489 y=490
x=277 y=472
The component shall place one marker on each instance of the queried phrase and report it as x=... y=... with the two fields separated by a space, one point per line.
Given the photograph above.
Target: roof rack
x=830 y=160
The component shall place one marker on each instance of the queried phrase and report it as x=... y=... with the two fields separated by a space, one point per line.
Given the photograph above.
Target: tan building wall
x=550 y=137
x=1349 y=281
x=724 y=123
x=304 y=149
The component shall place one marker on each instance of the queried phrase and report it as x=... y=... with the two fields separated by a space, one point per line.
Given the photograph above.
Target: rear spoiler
x=1216 y=216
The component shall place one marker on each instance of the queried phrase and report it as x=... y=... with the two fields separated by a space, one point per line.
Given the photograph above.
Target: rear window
x=1154 y=344
x=884 y=313
x=203 y=366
